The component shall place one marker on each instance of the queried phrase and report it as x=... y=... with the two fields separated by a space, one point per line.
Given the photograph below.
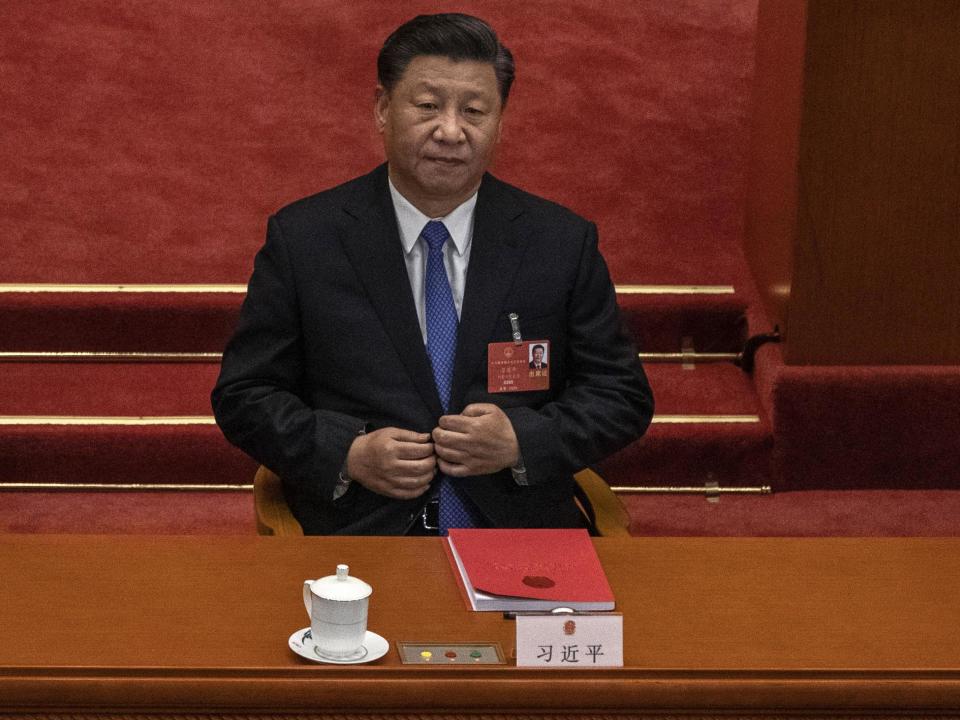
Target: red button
x=450 y=654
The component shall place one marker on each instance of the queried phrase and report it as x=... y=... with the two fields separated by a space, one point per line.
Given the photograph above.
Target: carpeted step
x=200 y=319
x=107 y=423
x=806 y=513
x=701 y=320
x=707 y=427
x=120 y=512
x=810 y=513
x=862 y=427
x=92 y=318
x=192 y=455
x=150 y=423
x=103 y=424
x=801 y=513
x=107 y=389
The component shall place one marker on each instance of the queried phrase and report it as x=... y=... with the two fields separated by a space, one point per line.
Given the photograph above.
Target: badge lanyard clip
x=515 y=328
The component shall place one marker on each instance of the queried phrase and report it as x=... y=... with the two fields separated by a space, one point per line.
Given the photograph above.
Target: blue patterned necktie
x=442 y=347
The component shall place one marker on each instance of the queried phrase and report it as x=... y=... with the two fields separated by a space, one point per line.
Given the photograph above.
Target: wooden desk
x=177 y=626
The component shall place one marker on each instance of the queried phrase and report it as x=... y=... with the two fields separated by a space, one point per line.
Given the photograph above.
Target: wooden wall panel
x=771 y=208
x=876 y=275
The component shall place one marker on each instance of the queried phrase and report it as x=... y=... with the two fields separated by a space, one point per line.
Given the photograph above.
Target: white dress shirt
x=456 y=251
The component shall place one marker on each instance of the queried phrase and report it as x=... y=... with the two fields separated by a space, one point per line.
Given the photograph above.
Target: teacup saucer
x=374 y=647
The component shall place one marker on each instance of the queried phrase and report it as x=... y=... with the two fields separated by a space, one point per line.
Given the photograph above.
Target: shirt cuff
x=519 y=472
x=343 y=480
x=343 y=483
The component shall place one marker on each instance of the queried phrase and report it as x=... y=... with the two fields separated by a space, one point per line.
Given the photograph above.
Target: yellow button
x=426 y=654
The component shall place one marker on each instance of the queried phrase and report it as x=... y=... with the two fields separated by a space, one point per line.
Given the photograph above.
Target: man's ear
x=380 y=105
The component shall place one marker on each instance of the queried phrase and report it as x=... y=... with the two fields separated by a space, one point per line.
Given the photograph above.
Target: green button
x=476 y=654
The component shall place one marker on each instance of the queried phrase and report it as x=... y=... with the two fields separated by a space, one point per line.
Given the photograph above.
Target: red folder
x=530 y=569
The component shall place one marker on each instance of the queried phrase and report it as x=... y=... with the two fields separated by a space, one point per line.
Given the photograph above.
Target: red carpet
x=852 y=513
x=861 y=427
x=148 y=142
x=203 y=321
x=692 y=455
x=809 y=513
x=196 y=453
x=117 y=322
x=147 y=389
x=147 y=513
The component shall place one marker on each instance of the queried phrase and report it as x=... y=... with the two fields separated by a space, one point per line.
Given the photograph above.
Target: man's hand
x=393 y=462
x=479 y=441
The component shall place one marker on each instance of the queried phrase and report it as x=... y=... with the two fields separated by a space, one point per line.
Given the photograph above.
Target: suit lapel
x=495 y=256
x=373 y=246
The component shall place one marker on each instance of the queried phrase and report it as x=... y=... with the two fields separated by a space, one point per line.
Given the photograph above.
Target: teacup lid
x=341 y=586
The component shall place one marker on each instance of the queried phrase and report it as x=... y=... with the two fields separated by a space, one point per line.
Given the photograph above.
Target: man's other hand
x=479 y=441
x=393 y=462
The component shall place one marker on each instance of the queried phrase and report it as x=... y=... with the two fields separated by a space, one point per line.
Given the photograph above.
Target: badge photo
x=518 y=367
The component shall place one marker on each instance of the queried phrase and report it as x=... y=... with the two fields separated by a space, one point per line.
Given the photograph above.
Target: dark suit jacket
x=329 y=344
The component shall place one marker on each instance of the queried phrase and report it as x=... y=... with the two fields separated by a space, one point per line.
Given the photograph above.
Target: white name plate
x=570 y=640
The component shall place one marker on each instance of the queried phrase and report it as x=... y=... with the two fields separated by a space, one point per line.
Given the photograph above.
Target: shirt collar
x=459 y=221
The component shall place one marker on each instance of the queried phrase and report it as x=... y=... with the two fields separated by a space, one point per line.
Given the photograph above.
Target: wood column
x=853 y=214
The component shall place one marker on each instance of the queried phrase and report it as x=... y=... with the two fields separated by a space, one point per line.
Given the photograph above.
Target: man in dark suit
x=362 y=371
x=537 y=363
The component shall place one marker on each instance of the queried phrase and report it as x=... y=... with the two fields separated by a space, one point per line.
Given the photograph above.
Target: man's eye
x=427 y=106
x=474 y=111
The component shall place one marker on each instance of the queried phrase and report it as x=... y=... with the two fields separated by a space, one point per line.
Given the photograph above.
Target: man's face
x=440 y=124
x=537 y=355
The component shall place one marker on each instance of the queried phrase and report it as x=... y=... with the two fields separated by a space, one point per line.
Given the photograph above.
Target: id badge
x=518 y=367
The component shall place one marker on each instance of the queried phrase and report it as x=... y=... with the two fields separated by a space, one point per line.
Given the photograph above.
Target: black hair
x=538 y=346
x=453 y=35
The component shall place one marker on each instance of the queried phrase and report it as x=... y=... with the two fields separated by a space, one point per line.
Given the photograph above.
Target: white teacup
x=337 y=606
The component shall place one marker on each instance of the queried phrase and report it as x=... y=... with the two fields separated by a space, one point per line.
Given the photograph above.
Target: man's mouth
x=446 y=160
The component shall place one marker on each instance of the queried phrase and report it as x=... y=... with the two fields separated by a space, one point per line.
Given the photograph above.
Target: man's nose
x=449 y=128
